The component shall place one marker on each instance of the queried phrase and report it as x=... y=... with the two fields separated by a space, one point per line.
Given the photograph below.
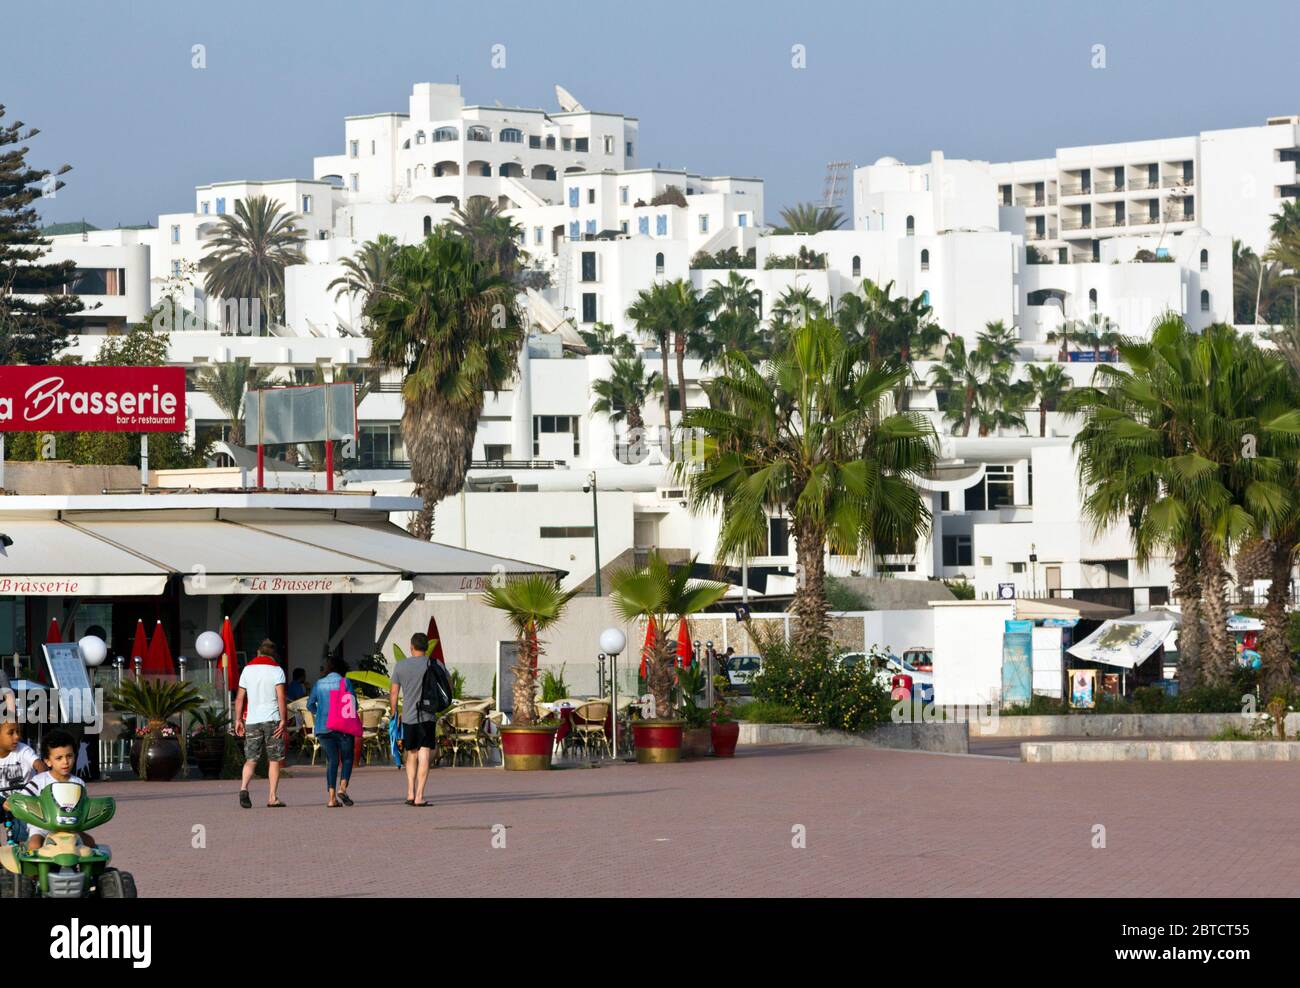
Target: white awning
x=222 y=557
x=430 y=566
x=1123 y=644
x=51 y=558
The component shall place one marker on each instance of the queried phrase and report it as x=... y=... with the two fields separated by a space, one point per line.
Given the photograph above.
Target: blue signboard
x=1017 y=662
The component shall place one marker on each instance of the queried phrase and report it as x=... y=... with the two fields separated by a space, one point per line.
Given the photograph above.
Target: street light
x=612 y=641
x=590 y=485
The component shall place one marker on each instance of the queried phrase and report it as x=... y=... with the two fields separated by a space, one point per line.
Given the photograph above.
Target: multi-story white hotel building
x=603 y=229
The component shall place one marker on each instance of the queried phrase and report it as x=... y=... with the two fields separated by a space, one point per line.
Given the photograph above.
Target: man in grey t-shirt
x=419 y=729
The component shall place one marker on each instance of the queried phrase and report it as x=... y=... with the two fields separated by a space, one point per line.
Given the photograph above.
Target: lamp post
x=612 y=641
x=595 y=526
x=1033 y=570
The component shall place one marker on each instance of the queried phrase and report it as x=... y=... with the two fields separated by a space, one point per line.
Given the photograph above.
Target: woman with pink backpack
x=333 y=706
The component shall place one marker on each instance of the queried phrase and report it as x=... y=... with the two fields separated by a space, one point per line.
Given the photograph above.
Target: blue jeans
x=338 y=748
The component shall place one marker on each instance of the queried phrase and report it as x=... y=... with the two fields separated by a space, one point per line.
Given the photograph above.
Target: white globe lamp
x=209 y=645
x=93 y=650
x=612 y=641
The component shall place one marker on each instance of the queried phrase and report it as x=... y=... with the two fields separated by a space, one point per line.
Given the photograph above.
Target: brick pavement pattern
x=877 y=823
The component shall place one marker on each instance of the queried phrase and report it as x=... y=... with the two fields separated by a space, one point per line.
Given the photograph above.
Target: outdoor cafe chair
x=465 y=734
x=374 y=736
x=589 y=725
x=309 y=739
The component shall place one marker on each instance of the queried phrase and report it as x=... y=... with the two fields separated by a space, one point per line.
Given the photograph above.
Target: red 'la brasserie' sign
x=55 y=398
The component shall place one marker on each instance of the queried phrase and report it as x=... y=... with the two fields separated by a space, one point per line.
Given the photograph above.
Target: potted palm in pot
x=208 y=740
x=531 y=604
x=695 y=730
x=664 y=595
x=158 y=751
x=724 y=729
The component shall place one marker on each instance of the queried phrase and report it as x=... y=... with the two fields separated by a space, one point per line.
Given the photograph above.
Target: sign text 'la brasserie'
x=92 y=399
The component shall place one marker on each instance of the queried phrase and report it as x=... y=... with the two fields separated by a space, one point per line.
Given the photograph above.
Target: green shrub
x=553 y=685
x=766 y=712
x=819 y=689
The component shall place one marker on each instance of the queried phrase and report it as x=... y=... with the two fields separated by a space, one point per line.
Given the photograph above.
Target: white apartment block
x=944 y=229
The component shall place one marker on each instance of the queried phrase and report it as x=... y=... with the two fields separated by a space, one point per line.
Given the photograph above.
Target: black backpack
x=435 y=689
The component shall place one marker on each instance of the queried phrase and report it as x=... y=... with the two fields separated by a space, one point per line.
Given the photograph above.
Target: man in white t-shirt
x=261 y=685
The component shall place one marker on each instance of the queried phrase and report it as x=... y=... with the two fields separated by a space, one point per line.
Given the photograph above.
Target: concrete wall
x=943 y=738
x=1123 y=725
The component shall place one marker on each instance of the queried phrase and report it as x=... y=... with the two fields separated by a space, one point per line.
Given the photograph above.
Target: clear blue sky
x=112 y=89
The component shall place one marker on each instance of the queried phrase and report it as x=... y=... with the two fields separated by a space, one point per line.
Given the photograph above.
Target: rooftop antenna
x=836 y=172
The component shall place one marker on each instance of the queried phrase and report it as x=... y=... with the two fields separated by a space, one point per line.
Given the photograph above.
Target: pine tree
x=32 y=329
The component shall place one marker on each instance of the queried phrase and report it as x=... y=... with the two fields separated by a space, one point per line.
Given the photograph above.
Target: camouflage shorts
x=262 y=736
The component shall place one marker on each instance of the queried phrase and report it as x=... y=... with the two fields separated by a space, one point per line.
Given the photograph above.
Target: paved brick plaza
x=878 y=823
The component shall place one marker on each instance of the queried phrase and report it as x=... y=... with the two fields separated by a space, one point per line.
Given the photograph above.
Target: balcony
x=1049 y=233
x=1076 y=189
x=1141 y=184
x=1143 y=219
x=1108 y=185
x=1076 y=223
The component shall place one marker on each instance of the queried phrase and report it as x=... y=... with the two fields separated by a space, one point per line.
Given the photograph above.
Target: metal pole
x=595 y=529
x=144 y=461
x=329 y=464
x=613 y=693
x=261 y=461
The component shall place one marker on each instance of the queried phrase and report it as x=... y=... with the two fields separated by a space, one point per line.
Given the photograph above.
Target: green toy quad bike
x=61 y=868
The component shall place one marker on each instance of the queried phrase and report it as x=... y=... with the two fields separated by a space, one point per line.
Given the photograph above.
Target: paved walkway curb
x=1159 y=751
x=945 y=738
x=1149 y=726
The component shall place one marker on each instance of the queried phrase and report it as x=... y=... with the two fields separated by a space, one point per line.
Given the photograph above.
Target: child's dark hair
x=336 y=663
x=56 y=739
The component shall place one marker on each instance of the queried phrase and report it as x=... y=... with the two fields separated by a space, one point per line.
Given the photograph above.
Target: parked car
x=741 y=670
x=916 y=662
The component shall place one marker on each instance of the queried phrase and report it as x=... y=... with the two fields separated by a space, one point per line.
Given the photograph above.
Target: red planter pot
x=725 y=737
x=657 y=740
x=527 y=748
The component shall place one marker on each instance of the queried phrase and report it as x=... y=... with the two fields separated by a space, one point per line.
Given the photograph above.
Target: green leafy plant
x=210 y=722
x=156 y=702
x=767 y=712
x=690 y=684
x=531 y=604
x=818 y=688
x=553 y=685
x=457 y=683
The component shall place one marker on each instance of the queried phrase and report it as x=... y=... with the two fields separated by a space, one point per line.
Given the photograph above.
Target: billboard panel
x=71 y=398
x=316 y=412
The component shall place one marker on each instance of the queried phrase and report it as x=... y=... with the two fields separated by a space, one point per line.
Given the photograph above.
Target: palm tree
x=1258 y=285
x=623 y=394
x=367 y=269
x=532 y=604
x=651 y=313
x=1049 y=383
x=794 y=307
x=978 y=382
x=810 y=436
x=806 y=217
x=735 y=307
x=496 y=238
x=687 y=316
x=227 y=384
x=1285 y=253
x=1162 y=447
x=247 y=257
x=449 y=320
x=665 y=595
x=603 y=338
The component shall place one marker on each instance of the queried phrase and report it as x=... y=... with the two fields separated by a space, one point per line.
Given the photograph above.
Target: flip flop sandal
x=277 y=805
x=410 y=802
x=345 y=799
x=245 y=800
x=421 y=804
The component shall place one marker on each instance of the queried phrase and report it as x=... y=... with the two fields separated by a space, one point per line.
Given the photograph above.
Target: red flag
x=648 y=648
x=685 y=655
x=229 y=661
x=435 y=641
x=159 y=660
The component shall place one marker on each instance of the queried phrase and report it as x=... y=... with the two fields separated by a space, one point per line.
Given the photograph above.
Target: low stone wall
x=1120 y=726
x=947 y=738
x=1159 y=751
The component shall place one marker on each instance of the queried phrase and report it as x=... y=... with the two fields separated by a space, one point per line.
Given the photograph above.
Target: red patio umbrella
x=53 y=636
x=685 y=655
x=229 y=662
x=139 y=645
x=648 y=648
x=436 y=640
x=159 y=660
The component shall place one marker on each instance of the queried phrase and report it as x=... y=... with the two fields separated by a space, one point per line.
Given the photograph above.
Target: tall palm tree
x=1259 y=286
x=793 y=307
x=367 y=269
x=495 y=237
x=735 y=323
x=532 y=604
x=687 y=316
x=806 y=217
x=227 y=384
x=247 y=257
x=810 y=436
x=978 y=382
x=621 y=396
x=450 y=321
x=1285 y=253
x=1162 y=447
x=603 y=338
x=665 y=595
x=652 y=314
x=1049 y=383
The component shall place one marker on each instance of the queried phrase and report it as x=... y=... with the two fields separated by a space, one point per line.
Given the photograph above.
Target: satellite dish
x=566 y=100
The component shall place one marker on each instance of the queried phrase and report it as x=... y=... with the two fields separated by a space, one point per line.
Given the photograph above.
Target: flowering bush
x=166 y=731
x=820 y=689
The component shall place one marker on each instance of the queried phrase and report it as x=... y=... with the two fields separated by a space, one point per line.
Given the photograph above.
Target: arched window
x=479 y=168
x=857 y=266
x=1092 y=300
x=445 y=168
x=925 y=260
x=545 y=173
x=478 y=134
x=911 y=226
x=659 y=263
x=1205 y=260
x=510 y=169
x=419 y=137
x=419 y=172
x=428 y=225
x=1205 y=300
x=511 y=135
x=444 y=134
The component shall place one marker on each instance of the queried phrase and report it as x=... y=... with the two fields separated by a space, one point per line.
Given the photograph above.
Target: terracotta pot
x=209 y=754
x=724 y=738
x=696 y=742
x=527 y=748
x=162 y=759
x=657 y=740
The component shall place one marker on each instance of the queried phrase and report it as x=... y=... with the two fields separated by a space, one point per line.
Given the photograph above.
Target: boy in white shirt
x=18 y=764
x=59 y=751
